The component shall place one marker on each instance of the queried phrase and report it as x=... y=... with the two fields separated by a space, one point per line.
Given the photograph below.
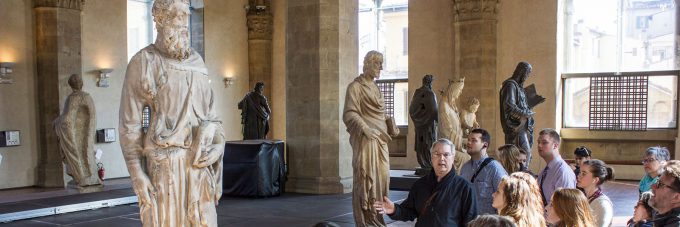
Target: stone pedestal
x=321 y=61
x=58 y=41
x=475 y=56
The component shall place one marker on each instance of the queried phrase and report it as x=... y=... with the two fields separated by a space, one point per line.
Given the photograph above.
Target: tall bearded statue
x=182 y=149
x=370 y=130
x=517 y=118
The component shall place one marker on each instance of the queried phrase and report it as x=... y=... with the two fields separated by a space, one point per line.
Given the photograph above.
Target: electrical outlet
x=10 y=138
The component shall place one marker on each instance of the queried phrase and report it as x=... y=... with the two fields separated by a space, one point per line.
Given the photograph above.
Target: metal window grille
x=146 y=116
x=387 y=89
x=618 y=103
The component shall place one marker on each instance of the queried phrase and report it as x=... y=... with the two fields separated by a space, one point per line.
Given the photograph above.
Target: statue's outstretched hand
x=211 y=155
x=384 y=207
x=144 y=189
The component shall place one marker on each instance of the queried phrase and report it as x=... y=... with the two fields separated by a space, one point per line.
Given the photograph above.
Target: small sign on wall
x=106 y=135
x=10 y=138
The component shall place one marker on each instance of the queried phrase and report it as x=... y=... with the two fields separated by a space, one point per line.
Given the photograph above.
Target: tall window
x=141 y=31
x=383 y=26
x=624 y=40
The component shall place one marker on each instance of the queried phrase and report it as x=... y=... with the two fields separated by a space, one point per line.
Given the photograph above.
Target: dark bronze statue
x=255 y=114
x=516 y=104
x=425 y=115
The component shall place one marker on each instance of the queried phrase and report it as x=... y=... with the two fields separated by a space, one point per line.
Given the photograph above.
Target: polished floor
x=290 y=209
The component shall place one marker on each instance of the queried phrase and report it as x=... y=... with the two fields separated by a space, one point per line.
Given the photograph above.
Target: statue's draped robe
x=254 y=116
x=424 y=113
x=450 y=128
x=365 y=108
x=180 y=99
x=518 y=128
x=75 y=129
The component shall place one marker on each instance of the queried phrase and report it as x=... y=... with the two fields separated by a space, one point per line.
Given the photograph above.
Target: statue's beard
x=174 y=41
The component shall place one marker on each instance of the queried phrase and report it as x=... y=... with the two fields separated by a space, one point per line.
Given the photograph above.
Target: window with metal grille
x=395 y=95
x=146 y=116
x=618 y=103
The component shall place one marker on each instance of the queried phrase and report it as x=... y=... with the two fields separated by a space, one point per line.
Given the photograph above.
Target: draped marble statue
x=370 y=130
x=517 y=119
x=468 y=116
x=255 y=114
x=75 y=128
x=425 y=114
x=449 y=121
x=183 y=147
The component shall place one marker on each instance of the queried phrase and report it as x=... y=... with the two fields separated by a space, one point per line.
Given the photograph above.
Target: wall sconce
x=104 y=77
x=228 y=81
x=6 y=68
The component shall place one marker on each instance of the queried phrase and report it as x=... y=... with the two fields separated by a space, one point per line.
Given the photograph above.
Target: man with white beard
x=183 y=147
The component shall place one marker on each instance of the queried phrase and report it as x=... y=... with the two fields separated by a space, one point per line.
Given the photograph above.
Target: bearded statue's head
x=172 y=22
x=373 y=62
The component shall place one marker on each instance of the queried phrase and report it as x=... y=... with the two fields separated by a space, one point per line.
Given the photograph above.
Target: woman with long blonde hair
x=570 y=208
x=518 y=198
x=509 y=156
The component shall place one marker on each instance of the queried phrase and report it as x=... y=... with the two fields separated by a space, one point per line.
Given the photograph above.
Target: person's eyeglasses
x=660 y=184
x=439 y=155
x=648 y=160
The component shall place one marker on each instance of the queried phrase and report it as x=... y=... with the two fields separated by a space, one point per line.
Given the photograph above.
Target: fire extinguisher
x=100 y=170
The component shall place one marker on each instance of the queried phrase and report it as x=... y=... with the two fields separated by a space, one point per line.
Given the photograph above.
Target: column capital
x=67 y=4
x=260 y=26
x=466 y=10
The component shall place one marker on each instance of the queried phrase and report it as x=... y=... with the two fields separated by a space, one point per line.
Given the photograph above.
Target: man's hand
x=384 y=207
x=372 y=133
x=144 y=189
x=211 y=155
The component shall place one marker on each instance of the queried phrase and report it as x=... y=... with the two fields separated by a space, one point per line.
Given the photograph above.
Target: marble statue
x=425 y=115
x=255 y=114
x=449 y=121
x=468 y=116
x=75 y=129
x=517 y=118
x=370 y=130
x=181 y=180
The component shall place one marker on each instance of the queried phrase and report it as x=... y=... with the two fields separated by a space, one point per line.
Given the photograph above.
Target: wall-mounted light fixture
x=228 y=81
x=6 y=68
x=104 y=77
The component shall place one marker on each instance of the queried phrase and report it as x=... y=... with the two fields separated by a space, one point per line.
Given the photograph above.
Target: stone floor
x=290 y=209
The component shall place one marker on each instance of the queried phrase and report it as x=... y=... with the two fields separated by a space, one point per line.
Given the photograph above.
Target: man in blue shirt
x=482 y=171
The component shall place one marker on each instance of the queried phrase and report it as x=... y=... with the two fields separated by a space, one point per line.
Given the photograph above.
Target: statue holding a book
x=517 y=102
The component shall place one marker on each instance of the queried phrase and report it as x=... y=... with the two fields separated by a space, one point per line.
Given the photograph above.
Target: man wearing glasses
x=440 y=198
x=666 y=198
x=654 y=159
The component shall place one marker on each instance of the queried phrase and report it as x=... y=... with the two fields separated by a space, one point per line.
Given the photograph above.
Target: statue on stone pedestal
x=76 y=130
x=370 y=130
x=425 y=115
x=182 y=150
x=517 y=118
x=449 y=121
x=468 y=116
x=255 y=114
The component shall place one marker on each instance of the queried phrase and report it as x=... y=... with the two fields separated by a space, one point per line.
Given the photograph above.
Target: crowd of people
x=505 y=192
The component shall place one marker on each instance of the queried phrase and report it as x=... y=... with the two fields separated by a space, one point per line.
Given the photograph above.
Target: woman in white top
x=593 y=173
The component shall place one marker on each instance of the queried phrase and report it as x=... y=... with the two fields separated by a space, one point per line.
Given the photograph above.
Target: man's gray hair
x=443 y=141
x=660 y=153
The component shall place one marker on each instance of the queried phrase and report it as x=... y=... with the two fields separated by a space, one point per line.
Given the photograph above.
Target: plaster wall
x=18 y=104
x=278 y=88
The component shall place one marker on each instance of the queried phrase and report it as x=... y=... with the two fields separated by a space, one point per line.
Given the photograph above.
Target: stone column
x=260 y=23
x=475 y=56
x=58 y=40
x=322 y=59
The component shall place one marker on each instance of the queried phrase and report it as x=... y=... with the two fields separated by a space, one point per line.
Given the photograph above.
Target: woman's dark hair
x=583 y=151
x=600 y=170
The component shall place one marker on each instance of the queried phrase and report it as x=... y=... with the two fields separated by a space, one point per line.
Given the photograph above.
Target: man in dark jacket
x=440 y=198
x=666 y=198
